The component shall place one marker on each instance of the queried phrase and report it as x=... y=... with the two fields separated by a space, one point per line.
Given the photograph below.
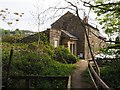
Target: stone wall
x=70 y=23
x=55 y=35
x=94 y=42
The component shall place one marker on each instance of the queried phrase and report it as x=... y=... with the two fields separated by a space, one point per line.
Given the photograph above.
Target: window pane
x=55 y=43
x=71 y=48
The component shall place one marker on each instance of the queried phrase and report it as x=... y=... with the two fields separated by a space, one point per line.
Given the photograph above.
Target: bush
x=111 y=74
x=27 y=61
x=32 y=46
x=63 y=55
x=11 y=39
x=72 y=58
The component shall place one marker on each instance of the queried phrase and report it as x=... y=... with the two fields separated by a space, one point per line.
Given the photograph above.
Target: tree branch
x=87 y=4
x=83 y=24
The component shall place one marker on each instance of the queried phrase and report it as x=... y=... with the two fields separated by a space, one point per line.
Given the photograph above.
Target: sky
x=22 y=6
x=29 y=8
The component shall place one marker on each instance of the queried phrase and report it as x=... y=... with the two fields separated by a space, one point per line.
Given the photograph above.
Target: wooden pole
x=8 y=68
x=90 y=49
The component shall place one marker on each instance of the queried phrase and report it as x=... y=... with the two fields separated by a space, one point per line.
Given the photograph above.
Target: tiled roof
x=69 y=14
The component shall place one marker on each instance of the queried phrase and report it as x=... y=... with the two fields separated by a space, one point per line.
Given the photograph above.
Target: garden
x=36 y=59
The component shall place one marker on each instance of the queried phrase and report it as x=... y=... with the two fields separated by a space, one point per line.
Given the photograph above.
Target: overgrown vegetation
x=14 y=36
x=28 y=58
x=16 y=32
x=31 y=59
x=86 y=76
x=113 y=49
x=111 y=74
x=62 y=55
x=44 y=36
x=108 y=14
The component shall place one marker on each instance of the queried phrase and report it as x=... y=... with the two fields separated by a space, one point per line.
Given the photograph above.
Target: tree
x=117 y=40
x=108 y=12
x=39 y=17
x=10 y=18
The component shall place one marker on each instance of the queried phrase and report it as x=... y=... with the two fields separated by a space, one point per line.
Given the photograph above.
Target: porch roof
x=66 y=34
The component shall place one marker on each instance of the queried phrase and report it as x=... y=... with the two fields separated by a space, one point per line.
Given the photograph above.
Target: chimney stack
x=85 y=20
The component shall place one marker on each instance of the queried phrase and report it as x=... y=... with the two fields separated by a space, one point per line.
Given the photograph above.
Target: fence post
x=28 y=82
x=69 y=83
x=8 y=68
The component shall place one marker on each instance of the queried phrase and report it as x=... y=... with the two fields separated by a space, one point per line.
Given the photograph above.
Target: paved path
x=77 y=77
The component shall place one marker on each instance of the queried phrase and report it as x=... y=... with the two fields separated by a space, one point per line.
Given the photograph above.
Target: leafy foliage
x=10 y=18
x=111 y=74
x=86 y=76
x=117 y=40
x=11 y=39
x=108 y=12
x=16 y=32
x=63 y=55
x=114 y=46
x=44 y=36
x=112 y=50
x=14 y=36
x=31 y=59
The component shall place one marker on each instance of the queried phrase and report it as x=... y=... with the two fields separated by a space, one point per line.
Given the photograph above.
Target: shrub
x=32 y=46
x=63 y=55
x=111 y=74
x=11 y=39
x=34 y=62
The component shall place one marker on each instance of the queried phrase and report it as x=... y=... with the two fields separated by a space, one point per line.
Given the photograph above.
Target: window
x=55 y=43
x=72 y=48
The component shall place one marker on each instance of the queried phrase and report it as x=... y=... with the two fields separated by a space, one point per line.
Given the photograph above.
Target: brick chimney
x=85 y=20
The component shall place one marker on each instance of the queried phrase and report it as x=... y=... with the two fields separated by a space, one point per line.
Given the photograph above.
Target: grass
x=86 y=77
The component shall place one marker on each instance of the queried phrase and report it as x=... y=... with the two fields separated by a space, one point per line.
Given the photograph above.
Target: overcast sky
x=27 y=7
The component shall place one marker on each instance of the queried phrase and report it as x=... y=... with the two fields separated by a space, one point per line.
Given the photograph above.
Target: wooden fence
x=97 y=81
x=69 y=83
x=28 y=80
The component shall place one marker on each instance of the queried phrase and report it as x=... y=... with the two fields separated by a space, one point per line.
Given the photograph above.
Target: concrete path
x=77 y=76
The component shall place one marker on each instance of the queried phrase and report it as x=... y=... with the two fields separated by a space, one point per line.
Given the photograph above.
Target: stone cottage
x=69 y=32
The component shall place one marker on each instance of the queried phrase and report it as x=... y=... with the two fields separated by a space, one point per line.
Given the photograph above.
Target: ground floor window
x=72 y=48
x=55 y=43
